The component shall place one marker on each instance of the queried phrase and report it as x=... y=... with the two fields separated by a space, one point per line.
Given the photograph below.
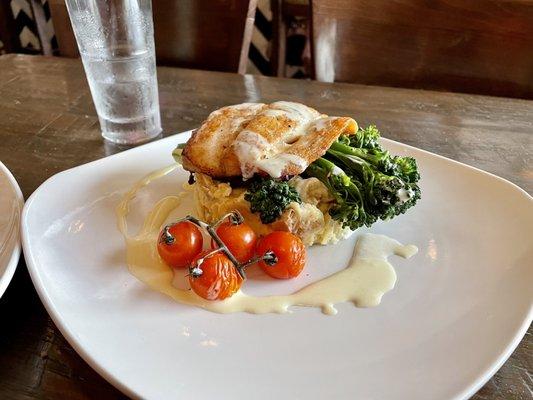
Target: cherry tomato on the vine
x=183 y=242
x=289 y=252
x=216 y=278
x=240 y=240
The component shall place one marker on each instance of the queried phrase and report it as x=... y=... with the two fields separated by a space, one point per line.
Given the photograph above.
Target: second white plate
x=11 y=202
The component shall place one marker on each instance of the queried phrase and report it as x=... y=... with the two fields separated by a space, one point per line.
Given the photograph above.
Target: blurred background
x=28 y=28
x=470 y=46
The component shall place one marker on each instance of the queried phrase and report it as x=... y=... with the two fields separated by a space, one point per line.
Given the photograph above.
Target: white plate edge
x=6 y=278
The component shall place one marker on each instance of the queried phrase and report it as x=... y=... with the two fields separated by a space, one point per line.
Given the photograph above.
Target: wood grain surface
x=467 y=46
x=48 y=124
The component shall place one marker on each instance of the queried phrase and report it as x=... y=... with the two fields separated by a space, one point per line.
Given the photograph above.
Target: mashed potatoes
x=309 y=220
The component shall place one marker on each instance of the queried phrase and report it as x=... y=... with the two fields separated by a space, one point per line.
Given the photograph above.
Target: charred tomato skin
x=218 y=279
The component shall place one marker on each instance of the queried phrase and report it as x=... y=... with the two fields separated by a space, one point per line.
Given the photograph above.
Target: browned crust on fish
x=209 y=149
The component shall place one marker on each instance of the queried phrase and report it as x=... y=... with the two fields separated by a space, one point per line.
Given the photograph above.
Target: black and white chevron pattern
x=27 y=37
x=261 y=38
x=261 y=45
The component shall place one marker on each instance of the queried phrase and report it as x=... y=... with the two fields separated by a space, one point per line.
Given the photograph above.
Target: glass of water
x=116 y=43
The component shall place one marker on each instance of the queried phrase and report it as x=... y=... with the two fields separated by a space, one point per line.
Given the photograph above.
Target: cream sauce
x=255 y=153
x=250 y=147
x=337 y=171
x=368 y=276
x=404 y=195
x=323 y=123
x=296 y=112
x=274 y=166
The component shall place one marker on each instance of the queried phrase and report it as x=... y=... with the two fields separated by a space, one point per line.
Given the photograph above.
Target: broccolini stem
x=323 y=170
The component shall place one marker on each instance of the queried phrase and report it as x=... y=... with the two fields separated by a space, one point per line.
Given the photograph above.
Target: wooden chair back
x=201 y=34
x=8 y=30
x=470 y=46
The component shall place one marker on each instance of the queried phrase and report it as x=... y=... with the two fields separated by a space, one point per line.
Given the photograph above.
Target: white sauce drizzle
x=323 y=123
x=404 y=195
x=296 y=111
x=252 y=139
x=274 y=166
x=249 y=147
x=336 y=170
x=256 y=154
x=368 y=276
x=270 y=112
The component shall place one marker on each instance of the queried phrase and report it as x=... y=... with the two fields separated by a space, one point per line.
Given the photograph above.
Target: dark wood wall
x=473 y=46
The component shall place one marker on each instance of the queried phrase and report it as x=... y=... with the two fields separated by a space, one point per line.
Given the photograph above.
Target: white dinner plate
x=11 y=202
x=459 y=308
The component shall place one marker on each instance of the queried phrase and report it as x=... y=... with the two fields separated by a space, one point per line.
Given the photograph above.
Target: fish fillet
x=277 y=139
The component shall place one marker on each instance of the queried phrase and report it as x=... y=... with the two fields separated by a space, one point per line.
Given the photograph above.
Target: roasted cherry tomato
x=216 y=278
x=178 y=245
x=288 y=251
x=240 y=240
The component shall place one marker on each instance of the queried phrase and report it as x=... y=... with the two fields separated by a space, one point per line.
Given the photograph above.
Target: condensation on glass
x=116 y=43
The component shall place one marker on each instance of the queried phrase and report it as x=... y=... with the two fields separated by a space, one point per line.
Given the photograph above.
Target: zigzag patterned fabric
x=26 y=28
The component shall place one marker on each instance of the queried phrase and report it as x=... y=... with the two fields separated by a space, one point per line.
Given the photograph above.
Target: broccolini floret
x=269 y=198
x=407 y=169
x=365 y=138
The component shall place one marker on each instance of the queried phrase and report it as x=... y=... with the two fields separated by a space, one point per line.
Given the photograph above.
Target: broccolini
x=270 y=197
x=366 y=181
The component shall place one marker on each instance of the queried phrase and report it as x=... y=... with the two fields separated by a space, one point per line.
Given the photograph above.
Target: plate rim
x=12 y=264
x=108 y=375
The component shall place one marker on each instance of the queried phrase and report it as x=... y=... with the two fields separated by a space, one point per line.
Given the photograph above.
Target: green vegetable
x=177 y=153
x=349 y=207
x=379 y=158
x=407 y=169
x=270 y=197
x=367 y=182
x=366 y=138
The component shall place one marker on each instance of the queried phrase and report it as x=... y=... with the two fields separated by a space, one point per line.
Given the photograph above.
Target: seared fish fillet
x=278 y=139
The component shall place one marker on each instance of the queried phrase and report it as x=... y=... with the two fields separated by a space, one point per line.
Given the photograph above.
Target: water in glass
x=116 y=44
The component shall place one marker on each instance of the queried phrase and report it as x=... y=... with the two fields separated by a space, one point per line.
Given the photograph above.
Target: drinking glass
x=116 y=43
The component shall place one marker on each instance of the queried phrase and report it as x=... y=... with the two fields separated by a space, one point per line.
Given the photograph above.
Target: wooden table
x=48 y=124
